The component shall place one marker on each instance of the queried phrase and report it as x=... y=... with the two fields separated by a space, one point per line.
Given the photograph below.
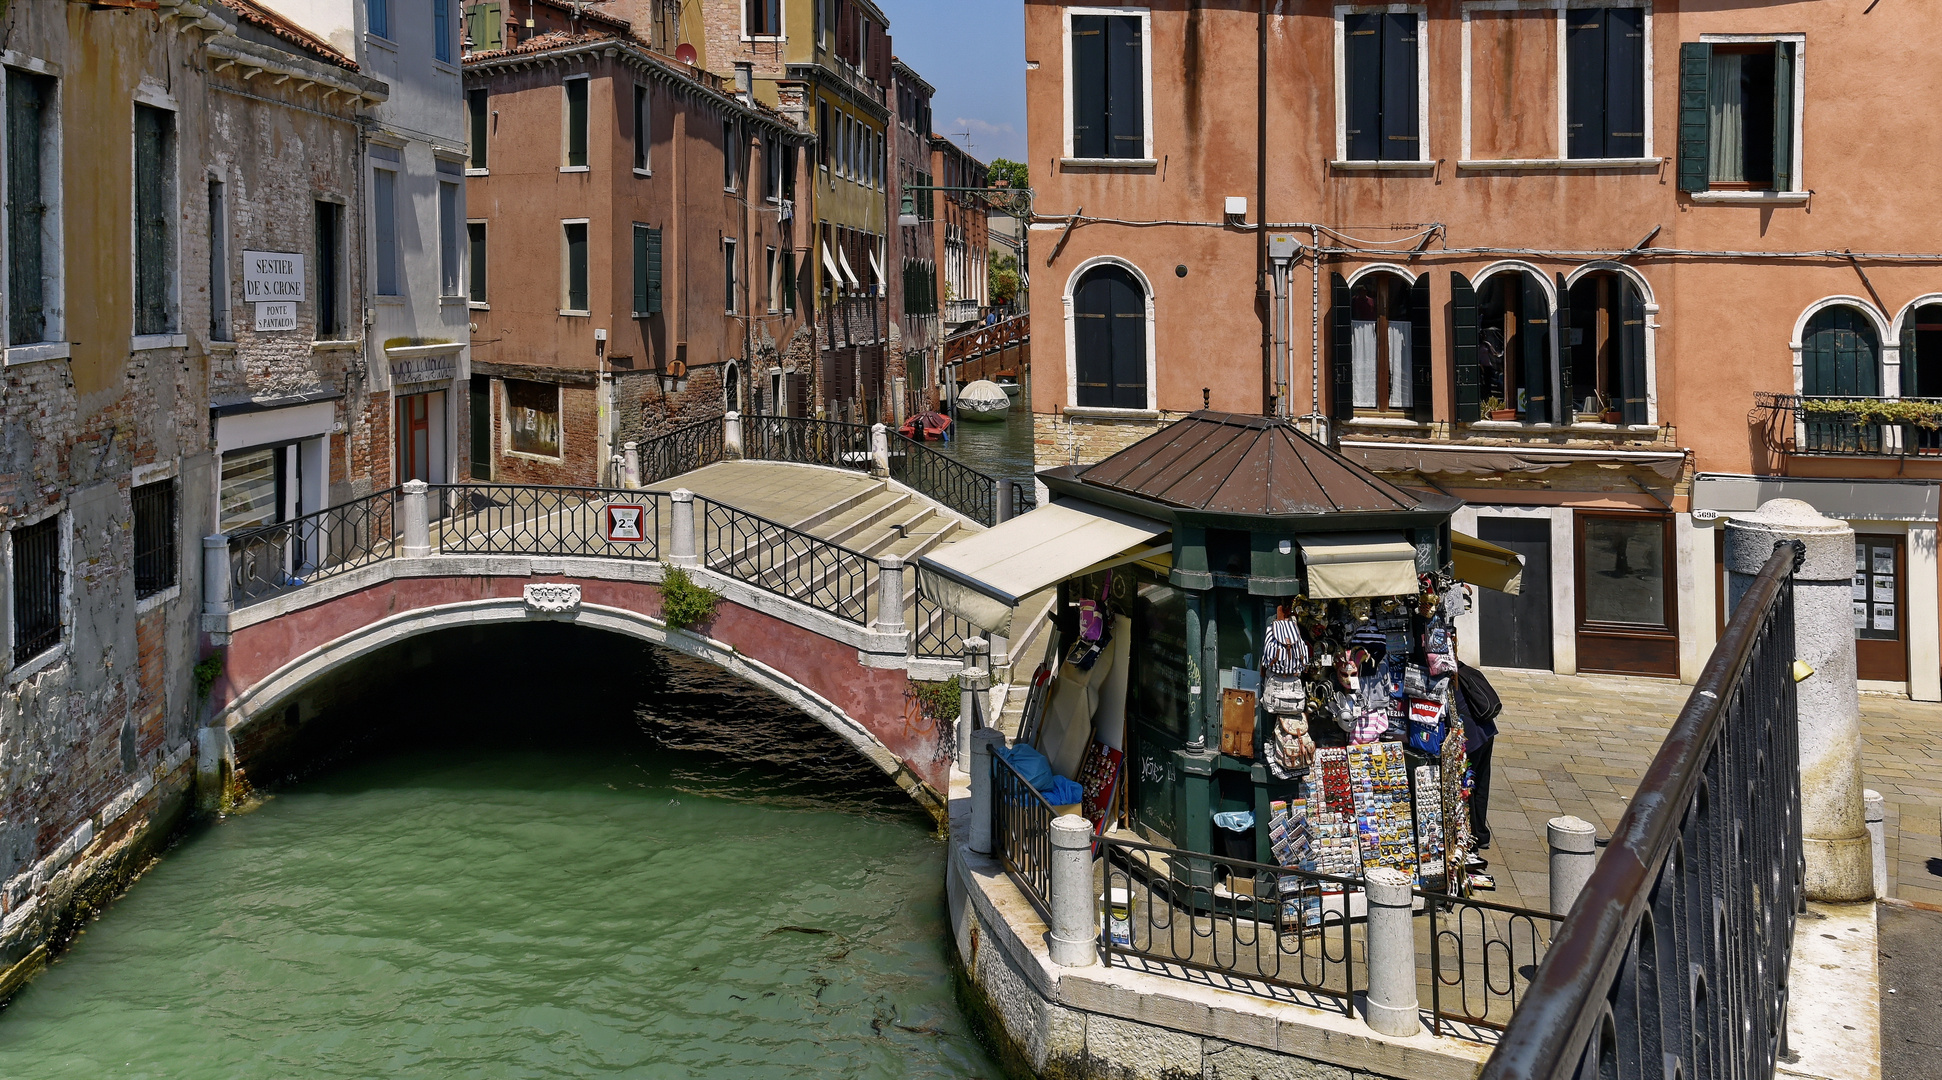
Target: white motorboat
x=983 y=401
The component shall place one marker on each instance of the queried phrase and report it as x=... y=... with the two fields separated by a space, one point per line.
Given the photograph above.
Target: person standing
x=1478 y=705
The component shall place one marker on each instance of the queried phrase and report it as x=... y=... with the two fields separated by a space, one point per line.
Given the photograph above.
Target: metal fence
x=944 y=480
x=1673 y=961
x=1024 y=496
x=523 y=519
x=270 y=560
x=781 y=560
x=1853 y=426
x=1021 y=832
x=1482 y=958
x=936 y=632
x=806 y=442
x=682 y=450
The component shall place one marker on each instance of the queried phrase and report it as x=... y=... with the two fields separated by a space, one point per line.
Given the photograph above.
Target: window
x=219 y=329
x=1109 y=331
x=329 y=268
x=1603 y=329
x=576 y=266
x=1107 y=90
x=1840 y=354
x=154 y=221
x=480 y=403
x=377 y=17
x=1502 y=343
x=731 y=156
x=823 y=134
x=533 y=418
x=449 y=253
x=576 y=123
x=771 y=169
x=36 y=588
x=1605 y=82
x=475 y=262
x=1737 y=116
x=1382 y=365
x=1627 y=603
x=729 y=274
x=1380 y=87
x=485 y=27
x=642 y=131
x=647 y=271
x=154 y=537
x=33 y=186
x=788 y=281
x=442 y=30
x=384 y=230
x=1922 y=352
x=762 y=18
x=775 y=281
x=477 y=113
x=251 y=489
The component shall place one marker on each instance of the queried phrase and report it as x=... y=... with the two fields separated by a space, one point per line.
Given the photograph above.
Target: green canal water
x=1002 y=449
x=708 y=886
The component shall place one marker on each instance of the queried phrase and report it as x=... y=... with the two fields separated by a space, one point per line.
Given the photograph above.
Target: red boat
x=932 y=426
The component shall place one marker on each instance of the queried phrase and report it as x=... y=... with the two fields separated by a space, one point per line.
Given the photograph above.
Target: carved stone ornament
x=552 y=599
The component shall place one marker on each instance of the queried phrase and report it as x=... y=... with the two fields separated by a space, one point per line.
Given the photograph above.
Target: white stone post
x=732 y=436
x=1834 y=827
x=1005 y=508
x=630 y=467
x=1878 y=838
x=1075 y=909
x=890 y=594
x=216 y=579
x=973 y=681
x=417 y=520
x=984 y=743
x=880 y=449
x=1390 y=1007
x=1574 y=851
x=683 y=554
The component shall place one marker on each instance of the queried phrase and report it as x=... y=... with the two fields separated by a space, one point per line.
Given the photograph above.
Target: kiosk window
x=1158 y=678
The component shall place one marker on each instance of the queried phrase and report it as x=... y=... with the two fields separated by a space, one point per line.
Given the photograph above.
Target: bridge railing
x=269 y=560
x=936 y=632
x=521 y=519
x=1674 y=959
x=682 y=450
x=804 y=441
x=944 y=479
x=776 y=558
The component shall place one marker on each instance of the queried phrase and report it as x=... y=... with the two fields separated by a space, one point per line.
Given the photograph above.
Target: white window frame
x=782 y=20
x=505 y=422
x=1468 y=159
x=566 y=269
x=1148 y=160
x=1797 y=194
x=66 y=561
x=1423 y=158
x=153 y=96
x=54 y=250
x=566 y=125
x=1072 y=406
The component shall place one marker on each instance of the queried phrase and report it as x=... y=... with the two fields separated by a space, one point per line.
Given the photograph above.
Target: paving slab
x=1911 y=991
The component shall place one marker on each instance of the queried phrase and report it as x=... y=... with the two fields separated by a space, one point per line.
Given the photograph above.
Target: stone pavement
x=1578 y=745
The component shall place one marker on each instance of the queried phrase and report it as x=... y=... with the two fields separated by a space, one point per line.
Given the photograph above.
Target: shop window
x=1604 y=341
x=532 y=418
x=154 y=220
x=251 y=489
x=1627 y=606
x=576 y=123
x=478 y=114
x=154 y=506
x=384 y=230
x=1109 y=314
x=1840 y=354
x=1502 y=346
x=1739 y=123
x=1380 y=346
x=1107 y=98
x=1880 y=623
x=1922 y=352
x=475 y=262
x=574 y=258
x=1604 y=51
x=1380 y=89
x=36 y=588
x=1157 y=680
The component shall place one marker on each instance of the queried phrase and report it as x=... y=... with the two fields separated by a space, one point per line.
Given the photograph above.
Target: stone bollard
x=1390 y=1006
x=1075 y=910
x=682 y=553
x=732 y=436
x=417 y=520
x=216 y=579
x=1574 y=851
x=973 y=681
x=630 y=465
x=1005 y=508
x=880 y=449
x=890 y=594
x=1877 y=813
x=1834 y=828
x=984 y=743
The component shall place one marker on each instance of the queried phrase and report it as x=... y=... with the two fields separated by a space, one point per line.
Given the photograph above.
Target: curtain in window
x=1362 y=348
x=1400 y=390
x=1726 y=110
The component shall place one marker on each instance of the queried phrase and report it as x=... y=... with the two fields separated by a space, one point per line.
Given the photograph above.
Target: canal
x=534 y=852
x=1002 y=449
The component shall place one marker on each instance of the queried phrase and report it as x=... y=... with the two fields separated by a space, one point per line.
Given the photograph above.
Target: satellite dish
x=685 y=53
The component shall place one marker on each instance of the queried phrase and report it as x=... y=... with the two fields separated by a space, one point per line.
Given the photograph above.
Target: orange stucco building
x=1610 y=272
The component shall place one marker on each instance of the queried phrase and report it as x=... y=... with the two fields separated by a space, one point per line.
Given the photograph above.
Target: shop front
x=422 y=406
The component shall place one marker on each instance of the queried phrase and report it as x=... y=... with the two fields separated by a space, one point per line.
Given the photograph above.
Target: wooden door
x=1515 y=631
x=1627 y=595
x=1880 y=595
x=414 y=437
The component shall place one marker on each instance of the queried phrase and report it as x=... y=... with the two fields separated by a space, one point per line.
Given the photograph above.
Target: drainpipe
x=675 y=312
x=1261 y=298
x=1315 y=327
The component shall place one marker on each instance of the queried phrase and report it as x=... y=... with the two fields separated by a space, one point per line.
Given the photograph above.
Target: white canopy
x=1342 y=565
x=982 y=578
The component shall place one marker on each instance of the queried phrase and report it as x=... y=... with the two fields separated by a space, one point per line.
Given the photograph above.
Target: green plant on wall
x=206 y=673
x=942 y=700
x=684 y=604
x=1922 y=414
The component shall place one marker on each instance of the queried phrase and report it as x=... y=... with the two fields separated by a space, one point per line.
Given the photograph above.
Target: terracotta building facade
x=1586 y=266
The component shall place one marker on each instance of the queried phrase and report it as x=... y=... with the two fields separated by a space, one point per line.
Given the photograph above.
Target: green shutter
x=653 y=272
x=1783 y=116
x=1631 y=357
x=1695 y=123
x=1567 y=372
x=1535 y=354
x=1463 y=350
x=640 y=270
x=788 y=279
x=154 y=240
x=1341 y=350
x=26 y=209
x=576 y=122
x=1422 y=388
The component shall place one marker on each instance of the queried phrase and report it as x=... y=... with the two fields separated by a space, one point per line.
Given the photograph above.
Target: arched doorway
x=1109 y=339
x=1604 y=349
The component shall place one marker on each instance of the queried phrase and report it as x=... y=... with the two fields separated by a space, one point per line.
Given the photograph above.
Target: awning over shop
x=1454 y=461
x=1483 y=563
x=1344 y=565
x=982 y=578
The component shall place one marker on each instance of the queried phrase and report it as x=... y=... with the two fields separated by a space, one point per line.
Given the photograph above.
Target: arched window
x=1840 y=354
x=1922 y=352
x=1381 y=346
x=1503 y=348
x=1109 y=338
x=732 y=387
x=1603 y=328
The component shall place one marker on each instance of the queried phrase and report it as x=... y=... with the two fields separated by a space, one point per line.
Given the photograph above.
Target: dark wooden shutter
x=1783 y=116
x=1422 y=386
x=1468 y=379
x=1631 y=371
x=1695 y=121
x=576 y=267
x=154 y=257
x=1584 y=81
x=1624 y=82
x=640 y=270
x=1129 y=344
x=1089 y=130
x=1362 y=56
x=653 y=272
x=1125 y=87
x=1399 y=88
x=1341 y=354
x=1092 y=340
x=789 y=279
x=26 y=290
x=1534 y=340
x=1567 y=356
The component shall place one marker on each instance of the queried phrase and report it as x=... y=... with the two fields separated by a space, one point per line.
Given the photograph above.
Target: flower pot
x=1503 y=414
x=1610 y=416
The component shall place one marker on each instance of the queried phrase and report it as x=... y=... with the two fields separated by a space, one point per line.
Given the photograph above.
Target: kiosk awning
x=1345 y=565
x=1483 y=563
x=982 y=578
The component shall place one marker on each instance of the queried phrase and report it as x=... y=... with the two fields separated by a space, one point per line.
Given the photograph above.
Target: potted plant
x=1608 y=411
x=1495 y=409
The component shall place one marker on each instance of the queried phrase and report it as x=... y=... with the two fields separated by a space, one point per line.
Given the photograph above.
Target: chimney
x=744 y=80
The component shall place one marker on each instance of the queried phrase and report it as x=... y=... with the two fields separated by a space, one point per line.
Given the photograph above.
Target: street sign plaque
x=625 y=523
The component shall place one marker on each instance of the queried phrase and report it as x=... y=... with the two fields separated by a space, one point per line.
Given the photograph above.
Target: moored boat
x=984 y=401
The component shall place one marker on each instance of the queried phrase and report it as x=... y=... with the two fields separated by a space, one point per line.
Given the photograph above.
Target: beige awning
x=1343 y=565
x=984 y=576
x=1483 y=563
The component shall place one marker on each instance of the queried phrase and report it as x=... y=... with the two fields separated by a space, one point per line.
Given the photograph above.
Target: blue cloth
x=1235 y=820
x=1031 y=765
x=1063 y=792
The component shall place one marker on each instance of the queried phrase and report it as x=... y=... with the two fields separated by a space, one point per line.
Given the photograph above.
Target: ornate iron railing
x=1024 y=496
x=682 y=450
x=1482 y=958
x=781 y=560
x=1021 y=832
x=519 y=519
x=806 y=442
x=1853 y=426
x=1673 y=961
x=270 y=560
x=944 y=480
x=936 y=632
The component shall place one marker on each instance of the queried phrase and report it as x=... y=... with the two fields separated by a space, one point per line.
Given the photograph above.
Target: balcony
x=1852 y=426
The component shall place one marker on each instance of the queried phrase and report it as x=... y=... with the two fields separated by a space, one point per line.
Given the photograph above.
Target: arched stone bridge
x=816 y=604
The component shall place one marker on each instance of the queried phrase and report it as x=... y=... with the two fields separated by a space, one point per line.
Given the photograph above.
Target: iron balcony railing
x=1674 y=960
x=776 y=558
x=1021 y=832
x=269 y=560
x=1853 y=426
x=523 y=519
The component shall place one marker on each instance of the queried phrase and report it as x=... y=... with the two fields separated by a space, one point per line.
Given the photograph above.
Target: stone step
x=862 y=518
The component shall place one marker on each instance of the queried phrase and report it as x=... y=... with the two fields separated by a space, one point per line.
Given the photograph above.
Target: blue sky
x=973 y=51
